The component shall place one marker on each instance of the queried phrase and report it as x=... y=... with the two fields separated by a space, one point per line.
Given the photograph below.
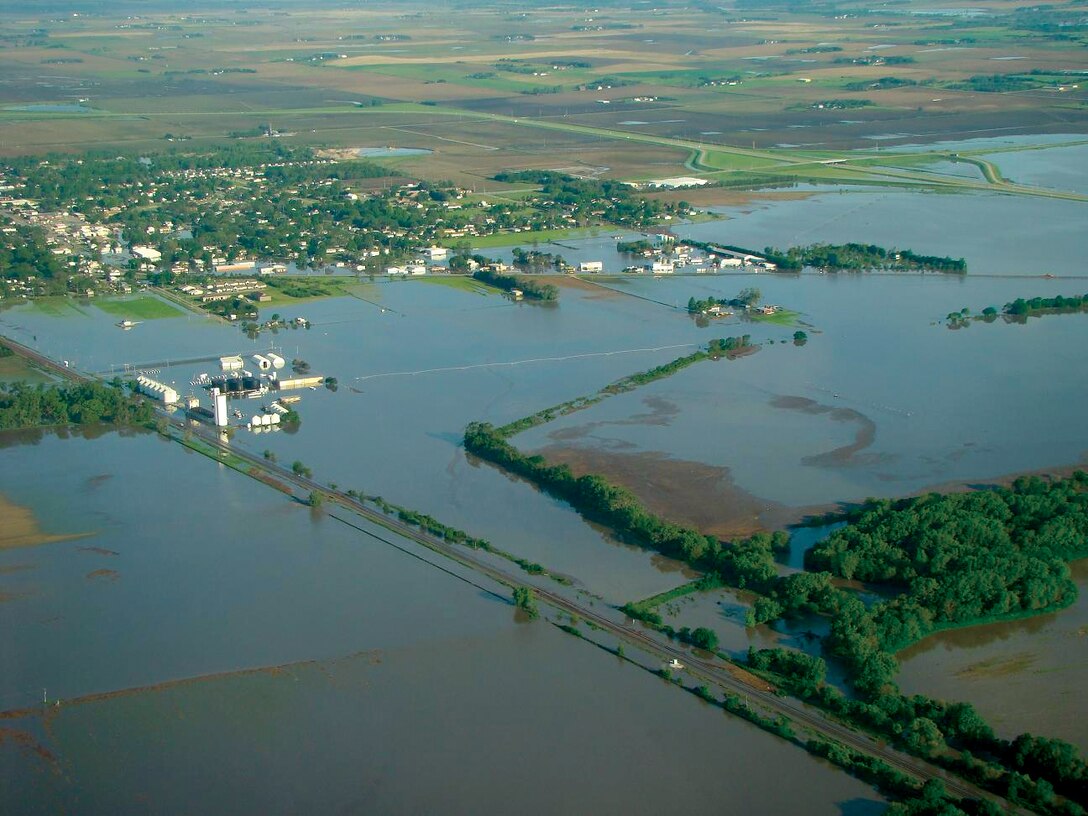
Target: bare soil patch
x=690 y=493
x=19 y=528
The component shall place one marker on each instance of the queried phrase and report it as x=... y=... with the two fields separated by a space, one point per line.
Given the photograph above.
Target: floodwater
x=214 y=573
x=390 y=152
x=996 y=235
x=49 y=108
x=229 y=634
x=1026 y=675
x=880 y=401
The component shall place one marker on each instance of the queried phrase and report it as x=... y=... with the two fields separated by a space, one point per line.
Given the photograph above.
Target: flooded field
x=232 y=634
x=1003 y=669
x=996 y=235
x=880 y=401
x=192 y=572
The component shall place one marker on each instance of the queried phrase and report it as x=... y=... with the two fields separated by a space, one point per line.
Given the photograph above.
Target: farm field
x=631 y=94
x=517 y=336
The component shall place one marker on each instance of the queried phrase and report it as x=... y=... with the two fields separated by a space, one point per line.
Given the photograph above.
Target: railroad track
x=696 y=667
x=709 y=671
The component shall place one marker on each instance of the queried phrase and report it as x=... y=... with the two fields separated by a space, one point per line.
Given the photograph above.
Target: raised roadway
x=711 y=671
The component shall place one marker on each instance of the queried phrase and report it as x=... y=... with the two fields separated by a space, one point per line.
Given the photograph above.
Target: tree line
x=30 y=406
x=859 y=257
x=531 y=288
x=960 y=559
x=1020 y=309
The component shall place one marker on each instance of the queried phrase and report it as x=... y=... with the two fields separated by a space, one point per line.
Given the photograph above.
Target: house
x=146 y=253
x=591 y=266
x=660 y=268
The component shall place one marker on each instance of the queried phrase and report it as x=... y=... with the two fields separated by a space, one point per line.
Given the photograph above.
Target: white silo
x=263 y=363
x=219 y=407
x=277 y=361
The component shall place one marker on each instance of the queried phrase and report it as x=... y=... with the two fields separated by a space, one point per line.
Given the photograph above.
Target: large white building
x=146 y=253
x=156 y=390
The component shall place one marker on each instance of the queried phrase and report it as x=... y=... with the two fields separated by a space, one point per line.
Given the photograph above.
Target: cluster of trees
x=531 y=288
x=996 y=83
x=1020 y=309
x=591 y=495
x=963 y=557
x=26 y=406
x=881 y=84
x=25 y=255
x=639 y=247
x=729 y=347
x=749 y=296
x=1028 y=770
x=859 y=257
x=590 y=200
x=297 y=207
x=535 y=259
x=1037 y=305
x=524 y=600
x=959 y=558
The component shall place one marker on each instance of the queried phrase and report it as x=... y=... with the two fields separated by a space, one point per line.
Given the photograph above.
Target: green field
x=139 y=308
x=505 y=239
x=58 y=306
x=783 y=317
x=14 y=368
x=463 y=283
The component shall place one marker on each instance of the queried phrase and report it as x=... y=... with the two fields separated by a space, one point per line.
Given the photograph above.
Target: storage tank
x=219 y=409
x=263 y=363
x=274 y=419
x=250 y=383
x=277 y=361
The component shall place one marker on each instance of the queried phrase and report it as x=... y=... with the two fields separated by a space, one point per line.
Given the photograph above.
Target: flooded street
x=209 y=629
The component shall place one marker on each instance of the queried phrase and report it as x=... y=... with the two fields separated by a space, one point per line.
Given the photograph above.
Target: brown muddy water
x=198 y=571
x=400 y=689
x=1026 y=675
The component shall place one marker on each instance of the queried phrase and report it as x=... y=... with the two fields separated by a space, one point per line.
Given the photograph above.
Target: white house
x=591 y=266
x=146 y=253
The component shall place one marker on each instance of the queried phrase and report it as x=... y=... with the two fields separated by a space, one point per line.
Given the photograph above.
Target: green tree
x=750 y=296
x=923 y=736
x=524 y=600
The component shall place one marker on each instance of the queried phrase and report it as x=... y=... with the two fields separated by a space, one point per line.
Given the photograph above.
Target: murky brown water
x=1026 y=675
x=399 y=689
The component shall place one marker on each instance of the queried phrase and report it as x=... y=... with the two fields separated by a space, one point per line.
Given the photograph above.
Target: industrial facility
x=156 y=390
x=235 y=381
